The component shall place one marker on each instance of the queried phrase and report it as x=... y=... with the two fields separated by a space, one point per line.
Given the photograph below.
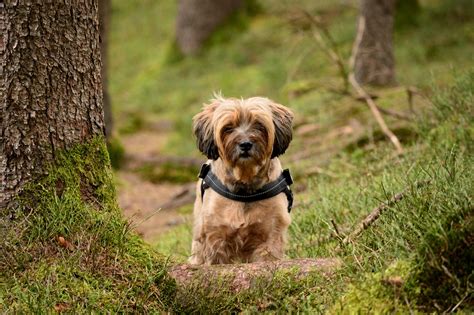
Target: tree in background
x=197 y=20
x=52 y=91
x=104 y=22
x=374 y=61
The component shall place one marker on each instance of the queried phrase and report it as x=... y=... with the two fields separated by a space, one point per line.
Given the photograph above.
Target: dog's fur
x=227 y=231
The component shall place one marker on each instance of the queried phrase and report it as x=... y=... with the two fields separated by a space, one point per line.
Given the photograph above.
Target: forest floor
x=413 y=258
x=141 y=199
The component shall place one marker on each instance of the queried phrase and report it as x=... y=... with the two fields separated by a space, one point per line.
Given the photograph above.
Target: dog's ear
x=282 y=119
x=203 y=130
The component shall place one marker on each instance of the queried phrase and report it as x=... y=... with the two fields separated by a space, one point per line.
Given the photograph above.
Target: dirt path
x=151 y=207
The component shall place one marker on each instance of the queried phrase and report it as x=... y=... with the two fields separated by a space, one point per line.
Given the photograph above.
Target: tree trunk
x=51 y=91
x=374 y=62
x=197 y=19
x=239 y=277
x=104 y=18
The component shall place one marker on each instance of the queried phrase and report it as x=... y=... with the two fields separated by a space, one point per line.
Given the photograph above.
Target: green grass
x=98 y=265
x=275 y=55
x=278 y=59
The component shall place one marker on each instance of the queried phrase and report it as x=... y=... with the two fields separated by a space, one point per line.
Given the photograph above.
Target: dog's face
x=245 y=134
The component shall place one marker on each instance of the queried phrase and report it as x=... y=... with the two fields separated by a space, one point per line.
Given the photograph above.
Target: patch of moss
x=169 y=172
x=284 y=292
x=67 y=246
x=446 y=267
x=377 y=293
x=116 y=152
x=134 y=122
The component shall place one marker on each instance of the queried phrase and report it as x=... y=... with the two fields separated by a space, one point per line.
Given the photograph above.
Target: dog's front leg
x=196 y=253
x=272 y=249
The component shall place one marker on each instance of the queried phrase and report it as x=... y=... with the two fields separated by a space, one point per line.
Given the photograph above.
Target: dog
x=242 y=139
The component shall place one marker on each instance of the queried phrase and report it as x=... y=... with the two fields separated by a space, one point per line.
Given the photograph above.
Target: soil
x=149 y=206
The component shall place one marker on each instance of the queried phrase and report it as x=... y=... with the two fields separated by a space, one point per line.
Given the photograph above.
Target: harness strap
x=281 y=184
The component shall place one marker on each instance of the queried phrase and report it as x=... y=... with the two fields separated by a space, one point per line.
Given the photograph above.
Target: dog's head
x=243 y=133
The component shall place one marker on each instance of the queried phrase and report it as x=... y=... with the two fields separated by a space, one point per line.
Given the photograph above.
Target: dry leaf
x=396 y=281
x=64 y=243
x=61 y=307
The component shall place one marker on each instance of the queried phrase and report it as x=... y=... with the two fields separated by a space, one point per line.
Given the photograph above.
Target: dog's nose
x=245 y=146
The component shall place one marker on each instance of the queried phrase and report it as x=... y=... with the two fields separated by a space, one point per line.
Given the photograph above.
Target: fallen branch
x=319 y=170
x=363 y=94
x=329 y=46
x=376 y=212
x=376 y=113
x=134 y=161
x=386 y=111
x=394 y=113
x=239 y=277
x=184 y=197
x=331 y=50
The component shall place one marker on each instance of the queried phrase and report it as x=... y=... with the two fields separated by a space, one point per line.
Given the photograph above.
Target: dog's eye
x=259 y=126
x=227 y=129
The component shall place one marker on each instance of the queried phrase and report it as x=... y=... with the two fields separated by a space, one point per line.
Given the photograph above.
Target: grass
x=275 y=55
x=66 y=246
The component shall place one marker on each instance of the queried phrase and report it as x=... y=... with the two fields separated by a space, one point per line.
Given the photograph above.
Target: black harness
x=281 y=184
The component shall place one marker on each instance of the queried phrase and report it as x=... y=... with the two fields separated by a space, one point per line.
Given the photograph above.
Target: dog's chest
x=240 y=215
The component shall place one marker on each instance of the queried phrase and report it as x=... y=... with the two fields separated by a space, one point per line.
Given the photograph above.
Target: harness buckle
x=204 y=170
x=286 y=174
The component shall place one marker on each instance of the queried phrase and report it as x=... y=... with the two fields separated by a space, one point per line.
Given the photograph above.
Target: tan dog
x=242 y=139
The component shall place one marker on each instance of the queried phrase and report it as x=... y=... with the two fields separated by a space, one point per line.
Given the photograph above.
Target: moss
x=169 y=172
x=284 y=292
x=446 y=266
x=116 y=152
x=134 y=122
x=68 y=246
x=377 y=293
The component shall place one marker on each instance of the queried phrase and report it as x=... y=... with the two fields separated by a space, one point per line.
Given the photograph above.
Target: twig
x=410 y=93
x=184 y=197
x=362 y=93
x=336 y=229
x=460 y=302
x=318 y=170
x=329 y=46
x=376 y=113
x=376 y=212
x=386 y=111
x=394 y=113
x=357 y=41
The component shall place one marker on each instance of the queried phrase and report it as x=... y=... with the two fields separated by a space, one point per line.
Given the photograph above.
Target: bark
x=51 y=91
x=104 y=22
x=238 y=277
x=197 y=19
x=374 y=61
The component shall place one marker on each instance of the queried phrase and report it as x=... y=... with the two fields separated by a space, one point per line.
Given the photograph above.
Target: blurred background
x=164 y=59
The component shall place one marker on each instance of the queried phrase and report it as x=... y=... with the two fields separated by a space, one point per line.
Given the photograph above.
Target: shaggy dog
x=242 y=139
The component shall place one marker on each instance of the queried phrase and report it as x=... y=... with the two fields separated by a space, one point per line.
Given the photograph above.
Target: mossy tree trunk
x=197 y=19
x=51 y=91
x=104 y=22
x=374 y=61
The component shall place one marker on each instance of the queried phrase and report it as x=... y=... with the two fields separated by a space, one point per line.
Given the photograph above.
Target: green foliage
x=116 y=152
x=407 y=14
x=67 y=246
